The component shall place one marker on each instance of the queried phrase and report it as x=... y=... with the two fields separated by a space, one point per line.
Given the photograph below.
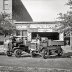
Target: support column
x=61 y=36
x=71 y=40
x=29 y=36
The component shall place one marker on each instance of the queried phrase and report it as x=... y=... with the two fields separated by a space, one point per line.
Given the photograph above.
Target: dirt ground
x=37 y=64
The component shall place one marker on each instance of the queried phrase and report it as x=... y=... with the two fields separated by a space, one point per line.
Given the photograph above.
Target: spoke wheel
x=45 y=53
x=18 y=52
x=33 y=54
x=60 y=52
x=9 y=54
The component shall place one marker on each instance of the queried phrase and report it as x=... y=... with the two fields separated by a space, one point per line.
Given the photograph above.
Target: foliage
x=6 y=25
x=66 y=19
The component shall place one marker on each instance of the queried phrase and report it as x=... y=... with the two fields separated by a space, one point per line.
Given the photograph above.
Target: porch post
x=71 y=39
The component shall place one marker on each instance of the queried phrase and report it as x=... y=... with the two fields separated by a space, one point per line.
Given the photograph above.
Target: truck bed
x=55 y=42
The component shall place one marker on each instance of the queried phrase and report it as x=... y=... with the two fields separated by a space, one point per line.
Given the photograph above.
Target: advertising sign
x=21 y=27
x=42 y=25
x=44 y=30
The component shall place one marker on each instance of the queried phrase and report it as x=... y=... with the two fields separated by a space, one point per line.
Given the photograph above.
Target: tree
x=66 y=19
x=6 y=26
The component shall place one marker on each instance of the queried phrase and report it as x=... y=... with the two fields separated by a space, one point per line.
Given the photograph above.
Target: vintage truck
x=47 y=48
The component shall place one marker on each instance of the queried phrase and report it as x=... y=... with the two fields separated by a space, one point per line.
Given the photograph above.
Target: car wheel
x=33 y=54
x=18 y=52
x=9 y=53
x=45 y=53
x=60 y=52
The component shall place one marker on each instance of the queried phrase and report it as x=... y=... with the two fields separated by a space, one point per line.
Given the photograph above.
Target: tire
x=33 y=54
x=18 y=53
x=60 y=52
x=45 y=53
x=9 y=54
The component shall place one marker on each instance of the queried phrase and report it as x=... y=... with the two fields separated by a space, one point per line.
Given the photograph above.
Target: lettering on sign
x=21 y=27
x=45 y=30
x=42 y=25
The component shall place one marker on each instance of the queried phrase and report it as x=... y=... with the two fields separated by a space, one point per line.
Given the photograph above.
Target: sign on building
x=21 y=27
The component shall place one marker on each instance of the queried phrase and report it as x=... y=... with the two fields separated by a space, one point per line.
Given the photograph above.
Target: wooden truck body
x=47 y=48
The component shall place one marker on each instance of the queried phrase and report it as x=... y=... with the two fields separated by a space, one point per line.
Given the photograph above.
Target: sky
x=45 y=10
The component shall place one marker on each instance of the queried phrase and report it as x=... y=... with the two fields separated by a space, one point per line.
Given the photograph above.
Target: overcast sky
x=45 y=10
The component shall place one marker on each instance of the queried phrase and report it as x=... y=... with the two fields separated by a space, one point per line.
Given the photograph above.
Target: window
x=5 y=1
x=5 y=7
x=5 y=4
x=17 y=32
x=24 y=33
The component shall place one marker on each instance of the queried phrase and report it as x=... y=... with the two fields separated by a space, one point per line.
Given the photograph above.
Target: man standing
x=37 y=41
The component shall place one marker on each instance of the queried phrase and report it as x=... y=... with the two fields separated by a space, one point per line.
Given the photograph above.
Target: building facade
x=44 y=29
x=6 y=7
x=15 y=9
x=24 y=23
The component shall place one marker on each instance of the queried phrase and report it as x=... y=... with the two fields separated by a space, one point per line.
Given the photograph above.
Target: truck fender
x=15 y=48
x=43 y=48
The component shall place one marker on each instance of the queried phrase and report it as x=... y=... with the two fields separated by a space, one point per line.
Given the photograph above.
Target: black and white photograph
x=35 y=35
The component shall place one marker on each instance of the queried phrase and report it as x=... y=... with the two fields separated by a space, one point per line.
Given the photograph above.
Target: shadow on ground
x=65 y=55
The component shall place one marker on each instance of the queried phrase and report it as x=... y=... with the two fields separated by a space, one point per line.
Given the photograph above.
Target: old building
x=15 y=9
x=24 y=22
x=44 y=29
x=6 y=7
